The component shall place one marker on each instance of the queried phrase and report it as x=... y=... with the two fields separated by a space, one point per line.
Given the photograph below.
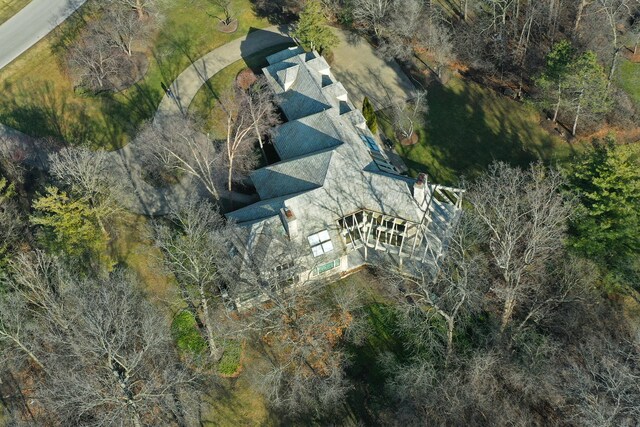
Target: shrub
x=230 y=361
x=186 y=334
x=370 y=115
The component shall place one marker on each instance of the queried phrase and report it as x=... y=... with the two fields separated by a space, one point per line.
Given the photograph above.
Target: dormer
x=287 y=77
x=319 y=65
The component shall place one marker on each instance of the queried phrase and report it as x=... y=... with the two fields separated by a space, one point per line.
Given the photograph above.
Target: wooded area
x=532 y=317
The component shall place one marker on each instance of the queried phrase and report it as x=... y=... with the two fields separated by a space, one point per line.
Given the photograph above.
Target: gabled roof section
x=307 y=135
x=287 y=77
x=292 y=176
x=304 y=96
x=284 y=54
x=258 y=211
x=319 y=65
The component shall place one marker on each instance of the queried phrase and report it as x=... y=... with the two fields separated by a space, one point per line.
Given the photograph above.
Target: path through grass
x=38 y=97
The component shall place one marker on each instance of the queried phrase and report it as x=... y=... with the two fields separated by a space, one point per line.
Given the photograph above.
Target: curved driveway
x=31 y=24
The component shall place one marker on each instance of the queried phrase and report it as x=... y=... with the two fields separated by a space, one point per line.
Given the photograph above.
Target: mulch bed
x=411 y=140
x=132 y=69
x=228 y=28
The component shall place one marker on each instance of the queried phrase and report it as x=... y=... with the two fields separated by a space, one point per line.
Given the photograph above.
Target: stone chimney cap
x=422 y=179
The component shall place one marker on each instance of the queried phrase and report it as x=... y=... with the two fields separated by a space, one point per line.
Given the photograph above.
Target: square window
x=324 y=236
x=314 y=239
x=327 y=246
x=317 y=250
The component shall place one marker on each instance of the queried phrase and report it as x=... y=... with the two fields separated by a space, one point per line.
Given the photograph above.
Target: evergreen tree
x=588 y=88
x=312 y=30
x=574 y=83
x=607 y=183
x=553 y=81
x=70 y=226
x=370 y=115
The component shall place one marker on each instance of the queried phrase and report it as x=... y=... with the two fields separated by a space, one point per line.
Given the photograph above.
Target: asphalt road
x=31 y=24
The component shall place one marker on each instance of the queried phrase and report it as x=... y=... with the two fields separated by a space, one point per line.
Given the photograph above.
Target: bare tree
x=17 y=330
x=579 y=14
x=615 y=13
x=407 y=115
x=104 y=350
x=176 y=144
x=191 y=252
x=635 y=32
x=241 y=132
x=440 y=46
x=124 y=29
x=225 y=7
x=373 y=14
x=604 y=383
x=453 y=291
x=261 y=104
x=141 y=7
x=92 y=59
x=11 y=223
x=405 y=27
x=525 y=217
x=117 y=366
x=88 y=174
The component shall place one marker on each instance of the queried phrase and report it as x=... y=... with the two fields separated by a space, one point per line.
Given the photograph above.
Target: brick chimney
x=421 y=191
x=289 y=221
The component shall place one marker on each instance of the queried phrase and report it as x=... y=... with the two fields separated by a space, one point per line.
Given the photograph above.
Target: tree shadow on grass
x=468 y=127
x=39 y=110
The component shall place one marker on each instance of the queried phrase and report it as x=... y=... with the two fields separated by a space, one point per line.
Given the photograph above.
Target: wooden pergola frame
x=377 y=231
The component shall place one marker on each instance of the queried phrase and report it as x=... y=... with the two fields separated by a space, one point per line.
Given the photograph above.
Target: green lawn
x=38 y=97
x=8 y=8
x=628 y=78
x=469 y=126
x=205 y=106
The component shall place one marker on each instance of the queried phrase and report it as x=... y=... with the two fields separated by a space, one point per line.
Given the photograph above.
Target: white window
x=320 y=243
x=325 y=267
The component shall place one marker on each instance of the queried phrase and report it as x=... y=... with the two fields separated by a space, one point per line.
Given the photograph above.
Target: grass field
x=628 y=78
x=38 y=97
x=8 y=8
x=469 y=126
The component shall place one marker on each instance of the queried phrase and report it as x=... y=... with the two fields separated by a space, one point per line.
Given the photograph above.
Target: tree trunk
x=140 y=9
x=557 y=109
x=214 y=351
x=581 y=6
x=230 y=174
x=27 y=352
x=614 y=64
x=575 y=122
x=509 y=306
x=450 y=328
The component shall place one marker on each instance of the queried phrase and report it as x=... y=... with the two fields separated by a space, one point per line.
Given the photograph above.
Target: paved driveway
x=365 y=73
x=31 y=24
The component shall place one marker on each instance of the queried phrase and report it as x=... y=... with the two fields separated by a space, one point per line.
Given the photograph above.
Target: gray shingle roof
x=331 y=164
x=284 y=54
x=293 y=176
x=307 y=135
x=304 y=97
